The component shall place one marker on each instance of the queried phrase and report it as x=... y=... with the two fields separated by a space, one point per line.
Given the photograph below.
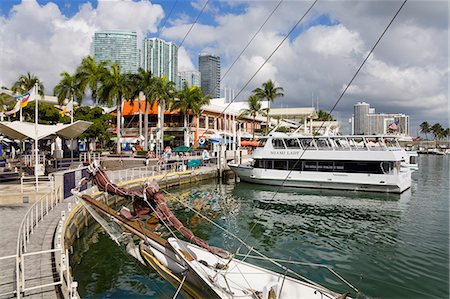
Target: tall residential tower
x=161 y=58
x=117 y=47
x=209 y=66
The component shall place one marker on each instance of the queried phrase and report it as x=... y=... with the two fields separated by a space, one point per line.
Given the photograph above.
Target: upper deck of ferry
x=288 y=141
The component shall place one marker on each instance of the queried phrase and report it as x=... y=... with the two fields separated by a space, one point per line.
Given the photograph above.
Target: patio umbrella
x=182 y=149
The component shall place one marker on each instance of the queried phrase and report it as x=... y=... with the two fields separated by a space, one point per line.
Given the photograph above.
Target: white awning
x=23 y=130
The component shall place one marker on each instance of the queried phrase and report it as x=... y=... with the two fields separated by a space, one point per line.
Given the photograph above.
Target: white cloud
x=41 y=40
x=408 y=71
x=184 y=61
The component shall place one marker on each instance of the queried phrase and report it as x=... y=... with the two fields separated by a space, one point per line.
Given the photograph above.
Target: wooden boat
x=198 y=273
x=195 y=268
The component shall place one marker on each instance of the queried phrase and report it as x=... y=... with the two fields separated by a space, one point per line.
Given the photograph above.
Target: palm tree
x=27 y=82
x=425 y=128
x=144 y=83
x=324 y=116
x=254 y=108
x=164 y=92
x=115 y=86
x=68 y=88
x=270 y=93
x=89 y=73
x=438 y=131
x=190 y=99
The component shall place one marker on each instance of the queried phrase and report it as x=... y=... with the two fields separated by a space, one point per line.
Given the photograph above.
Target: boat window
x=295 y=165
x=310 y=165
x=292 y=143
x=325 y=166
x=278 y=143
x=268 y=164
x=338 y=166
x=322 y=143
x=280 y=164
x=262 y=142
x=307 y=143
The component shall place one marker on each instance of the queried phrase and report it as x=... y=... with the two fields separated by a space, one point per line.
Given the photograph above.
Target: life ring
x=161 y=164
x=202 y=141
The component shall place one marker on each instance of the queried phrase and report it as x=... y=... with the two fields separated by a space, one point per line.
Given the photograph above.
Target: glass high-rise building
x=160 y=58
x=191 y=78
x=361 y=118
x=209 y=66
x=118 y=47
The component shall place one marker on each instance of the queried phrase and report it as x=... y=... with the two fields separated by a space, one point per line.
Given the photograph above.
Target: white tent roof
x=22 y=130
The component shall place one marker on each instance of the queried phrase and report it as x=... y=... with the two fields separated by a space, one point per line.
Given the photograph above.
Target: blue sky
x=408 y=72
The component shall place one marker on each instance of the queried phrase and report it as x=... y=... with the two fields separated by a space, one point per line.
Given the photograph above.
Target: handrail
x=31 y=220
x=31 y=181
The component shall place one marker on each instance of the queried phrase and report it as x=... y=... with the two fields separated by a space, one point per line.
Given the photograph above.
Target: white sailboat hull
x=325 y=180
x=237 y=279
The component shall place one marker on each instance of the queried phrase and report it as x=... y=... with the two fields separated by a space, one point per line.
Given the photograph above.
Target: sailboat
x=193 y=267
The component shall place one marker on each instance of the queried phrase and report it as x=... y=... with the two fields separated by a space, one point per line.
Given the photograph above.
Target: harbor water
x=386 y=245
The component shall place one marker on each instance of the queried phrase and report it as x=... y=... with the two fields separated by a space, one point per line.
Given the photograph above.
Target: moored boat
x=359 y=163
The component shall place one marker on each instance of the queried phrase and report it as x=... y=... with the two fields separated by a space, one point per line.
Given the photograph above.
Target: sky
x=408 y=71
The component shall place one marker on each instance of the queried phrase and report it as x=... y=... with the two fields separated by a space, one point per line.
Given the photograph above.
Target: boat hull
x=325 y=180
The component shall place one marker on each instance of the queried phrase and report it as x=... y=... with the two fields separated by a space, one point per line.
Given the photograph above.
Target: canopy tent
x=23 y=130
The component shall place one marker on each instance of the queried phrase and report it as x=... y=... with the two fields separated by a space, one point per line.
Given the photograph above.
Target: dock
x=34 y=259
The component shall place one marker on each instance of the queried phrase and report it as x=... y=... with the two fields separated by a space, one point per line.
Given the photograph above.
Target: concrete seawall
x=78 y=217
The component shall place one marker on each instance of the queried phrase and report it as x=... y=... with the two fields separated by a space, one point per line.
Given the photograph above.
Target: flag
x=67 y=109
x=393 y=126
x=14 y=110
x=27 y=97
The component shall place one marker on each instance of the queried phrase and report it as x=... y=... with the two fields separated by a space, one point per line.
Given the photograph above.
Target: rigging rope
x=337 y=102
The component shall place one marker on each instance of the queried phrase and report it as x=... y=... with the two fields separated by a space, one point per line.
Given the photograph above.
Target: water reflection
x=389 y=246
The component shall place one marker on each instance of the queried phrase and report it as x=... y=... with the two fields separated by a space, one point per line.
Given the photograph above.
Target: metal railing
x=89 y=156
x=29 y=224
x=28 y=183
x=145 y=171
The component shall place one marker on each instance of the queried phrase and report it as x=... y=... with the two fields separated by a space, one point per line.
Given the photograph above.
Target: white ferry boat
x=360 y=163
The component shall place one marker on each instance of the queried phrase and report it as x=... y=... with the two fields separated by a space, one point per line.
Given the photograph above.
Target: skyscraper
x=209 y=66
x=117 y=47
x=361 y=118
x=191 y=78
x=160 y=58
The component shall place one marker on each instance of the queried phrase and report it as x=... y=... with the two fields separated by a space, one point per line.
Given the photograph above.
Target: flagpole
x=71 y=121
x=36 y=147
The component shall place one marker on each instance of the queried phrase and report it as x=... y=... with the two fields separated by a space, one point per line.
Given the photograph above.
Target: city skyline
x=407 y=72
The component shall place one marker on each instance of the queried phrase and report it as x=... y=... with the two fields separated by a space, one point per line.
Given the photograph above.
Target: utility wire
x=248 y=44
x=264 y=63
x=334 y=106
x=267 y=59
